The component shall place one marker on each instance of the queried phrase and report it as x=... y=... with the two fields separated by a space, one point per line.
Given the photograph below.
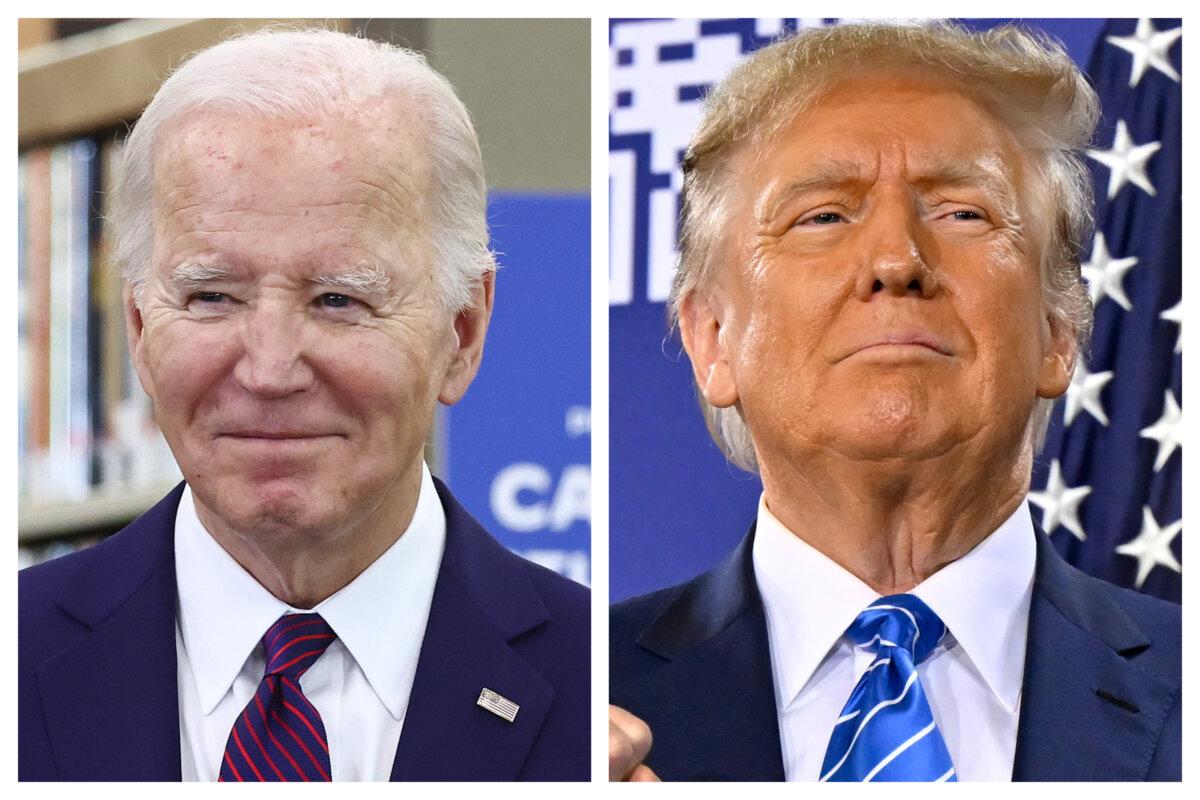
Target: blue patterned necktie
x=279 y=736
x=886 y=731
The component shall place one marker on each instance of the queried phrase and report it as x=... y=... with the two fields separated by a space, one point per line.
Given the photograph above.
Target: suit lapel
x=1087 y=711
x=482 y=600
x=110 y=699
x=717 y=694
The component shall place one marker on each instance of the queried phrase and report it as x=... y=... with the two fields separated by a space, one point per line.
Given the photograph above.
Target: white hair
x=284 y=72
x=1028 y=82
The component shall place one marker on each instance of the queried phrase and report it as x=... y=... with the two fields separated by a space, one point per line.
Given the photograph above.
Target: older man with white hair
x=300 y=216
x=879 y=290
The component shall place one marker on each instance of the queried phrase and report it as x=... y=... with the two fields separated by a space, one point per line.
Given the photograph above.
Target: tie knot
x=898 y=620
x=294 y=642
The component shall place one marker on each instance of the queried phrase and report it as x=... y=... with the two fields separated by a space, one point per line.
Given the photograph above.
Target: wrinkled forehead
x=375 y=157
x=930 y=124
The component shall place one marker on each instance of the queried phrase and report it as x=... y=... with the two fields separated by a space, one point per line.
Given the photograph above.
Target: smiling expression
x=289 y=333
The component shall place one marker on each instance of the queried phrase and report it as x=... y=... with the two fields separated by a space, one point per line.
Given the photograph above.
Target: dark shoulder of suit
x=1102 y=695
x=545 y=622
x=694 y=663
x=82 y=618
x=560 y=650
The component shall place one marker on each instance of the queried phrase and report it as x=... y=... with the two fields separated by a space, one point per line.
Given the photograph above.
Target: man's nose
x=273 y=361
x=897 y=255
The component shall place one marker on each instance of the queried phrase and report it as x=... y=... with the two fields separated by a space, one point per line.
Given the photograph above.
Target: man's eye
x=334 y=300
x=209 y=297
x=824 y=218
x=967 y=215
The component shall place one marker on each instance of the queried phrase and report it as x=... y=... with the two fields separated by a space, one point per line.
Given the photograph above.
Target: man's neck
x=894 y=523
x=303 y=568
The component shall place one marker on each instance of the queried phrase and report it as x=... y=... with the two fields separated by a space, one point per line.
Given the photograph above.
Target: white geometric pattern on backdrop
x=660 y=71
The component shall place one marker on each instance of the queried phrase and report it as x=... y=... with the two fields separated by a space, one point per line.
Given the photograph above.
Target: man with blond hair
x=300 y=217
x=880 y=294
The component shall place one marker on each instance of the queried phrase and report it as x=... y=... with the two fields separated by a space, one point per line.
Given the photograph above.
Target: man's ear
x=470 y=329
x=135 y=336
x=1058 y=358
x=701 y=318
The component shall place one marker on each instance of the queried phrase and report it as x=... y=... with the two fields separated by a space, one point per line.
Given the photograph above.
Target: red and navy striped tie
x=279 y=736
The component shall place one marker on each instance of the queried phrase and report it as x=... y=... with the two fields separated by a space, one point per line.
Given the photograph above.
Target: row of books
x=85 y=427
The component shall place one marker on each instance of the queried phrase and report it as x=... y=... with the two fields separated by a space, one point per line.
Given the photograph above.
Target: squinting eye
x=334 y=300
x=825 y=218
x=966 y=215
x=209 y=297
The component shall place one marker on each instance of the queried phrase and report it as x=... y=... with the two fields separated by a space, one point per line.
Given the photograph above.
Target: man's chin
x=271 y=507
x=891 y=427
x=897 y=439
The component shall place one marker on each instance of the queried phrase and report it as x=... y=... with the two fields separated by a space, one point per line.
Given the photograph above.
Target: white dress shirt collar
x=379 y=616
x=983 y=598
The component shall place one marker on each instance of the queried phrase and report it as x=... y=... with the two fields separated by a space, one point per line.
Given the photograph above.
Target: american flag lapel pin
x=498 y=704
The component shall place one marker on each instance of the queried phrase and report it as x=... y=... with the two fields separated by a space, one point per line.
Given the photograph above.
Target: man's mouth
x=900 y=339
x=276 y=435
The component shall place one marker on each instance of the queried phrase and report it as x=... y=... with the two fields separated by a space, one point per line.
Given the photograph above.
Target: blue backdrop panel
x=517 y=449
x=676 y=506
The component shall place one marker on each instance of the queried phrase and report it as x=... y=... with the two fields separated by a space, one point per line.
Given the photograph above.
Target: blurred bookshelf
x=90 y=458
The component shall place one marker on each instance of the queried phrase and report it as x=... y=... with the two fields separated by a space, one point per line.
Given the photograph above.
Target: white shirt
x=973 y=679
x=360 y=685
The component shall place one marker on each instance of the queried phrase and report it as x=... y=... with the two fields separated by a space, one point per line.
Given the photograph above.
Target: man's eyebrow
x=364 y=277
x=191 y=273
x=829 y=174
x=835 y=174
x=959 y=175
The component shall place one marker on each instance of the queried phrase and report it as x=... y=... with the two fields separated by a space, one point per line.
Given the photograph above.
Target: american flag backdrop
x=1109 y=481
x=1107 y=487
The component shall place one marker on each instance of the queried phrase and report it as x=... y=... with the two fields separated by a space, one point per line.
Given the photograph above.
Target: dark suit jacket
x=97 y=686
x=1101 y=698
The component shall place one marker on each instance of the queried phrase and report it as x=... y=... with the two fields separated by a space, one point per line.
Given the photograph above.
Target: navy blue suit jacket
x=1101 y=698
x=97 y=686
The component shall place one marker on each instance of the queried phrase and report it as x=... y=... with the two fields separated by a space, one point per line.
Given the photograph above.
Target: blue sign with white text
x=517 y=449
